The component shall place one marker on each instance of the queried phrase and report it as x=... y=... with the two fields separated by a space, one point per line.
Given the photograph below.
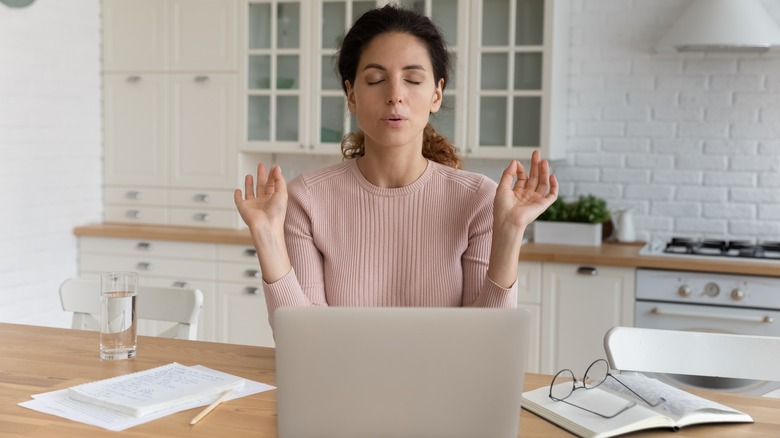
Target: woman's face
x=394 y=91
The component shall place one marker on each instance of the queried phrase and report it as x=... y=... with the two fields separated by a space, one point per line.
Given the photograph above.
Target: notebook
x=399 y=372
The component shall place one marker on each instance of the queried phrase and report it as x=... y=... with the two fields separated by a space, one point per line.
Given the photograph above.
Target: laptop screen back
x=399 y=372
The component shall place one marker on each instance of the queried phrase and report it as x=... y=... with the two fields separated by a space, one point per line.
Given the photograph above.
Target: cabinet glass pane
x=444 y=120
x=495 y=23
x=529 y=22
x=527 y=121
x=494 y=71
x=360 y=8
x=333 y=25
x=528 y=71
x=259 y=26
x=445 y=15
x=288 y=26
x=332 y=119
x=287 y=72
x=492 y=121
x=259 y=72
x=453 y=72
x=287 y=118
x=259 y=118
x=415 y=5
x=329 y=80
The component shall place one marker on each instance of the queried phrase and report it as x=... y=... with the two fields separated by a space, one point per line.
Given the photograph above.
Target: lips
x=394 y=118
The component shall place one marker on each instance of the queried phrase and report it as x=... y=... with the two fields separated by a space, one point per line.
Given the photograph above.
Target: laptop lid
x=399 y=372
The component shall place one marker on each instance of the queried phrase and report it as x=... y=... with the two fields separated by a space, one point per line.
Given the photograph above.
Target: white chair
x=645 y=350
x=165 y=304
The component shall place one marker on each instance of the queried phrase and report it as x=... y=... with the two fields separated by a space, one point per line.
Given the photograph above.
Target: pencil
x=211 y=407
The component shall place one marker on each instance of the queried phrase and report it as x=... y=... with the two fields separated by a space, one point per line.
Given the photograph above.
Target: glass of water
x=118 y=322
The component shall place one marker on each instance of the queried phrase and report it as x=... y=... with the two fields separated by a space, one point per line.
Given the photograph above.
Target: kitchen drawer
x=243 y=316
x=147 y=248
x=244 y=273
x=173 y=268
x=203 y=218
x=237 y=253
x=127 y=195
x=191 y=198
x=135 y=214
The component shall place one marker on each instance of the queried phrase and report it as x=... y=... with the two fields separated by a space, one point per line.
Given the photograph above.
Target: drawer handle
x=134 y=79
x=181 y=284
x=588 y=270
x=134 y=195
x=202 y=197
x=254 y=273
x=250 y=252
x=202 y=217
x=202 y=79
x=134 y=214
x=253 y=290
x=144 y=266
x=143 y=246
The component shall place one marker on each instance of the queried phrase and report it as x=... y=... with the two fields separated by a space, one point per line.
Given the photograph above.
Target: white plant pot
x=567 y=233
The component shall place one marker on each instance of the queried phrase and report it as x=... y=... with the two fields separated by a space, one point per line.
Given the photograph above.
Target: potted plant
x=573 y=223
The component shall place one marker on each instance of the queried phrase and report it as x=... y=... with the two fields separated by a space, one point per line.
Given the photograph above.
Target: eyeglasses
x=594 y=376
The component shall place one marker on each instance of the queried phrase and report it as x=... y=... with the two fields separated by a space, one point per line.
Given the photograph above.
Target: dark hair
x=389 y=19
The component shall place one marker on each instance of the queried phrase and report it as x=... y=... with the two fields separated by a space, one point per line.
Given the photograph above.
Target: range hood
x=722 y=26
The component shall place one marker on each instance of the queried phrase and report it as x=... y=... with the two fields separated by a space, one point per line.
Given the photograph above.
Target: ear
x=350 y=97
x=438 y=95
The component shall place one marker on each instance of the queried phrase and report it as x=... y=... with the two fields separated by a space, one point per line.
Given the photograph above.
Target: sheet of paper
x=57 y=403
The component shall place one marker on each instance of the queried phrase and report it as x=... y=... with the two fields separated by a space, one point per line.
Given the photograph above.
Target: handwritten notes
x=156 y=389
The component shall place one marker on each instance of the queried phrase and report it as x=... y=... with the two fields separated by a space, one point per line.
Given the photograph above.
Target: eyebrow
x=408 y=67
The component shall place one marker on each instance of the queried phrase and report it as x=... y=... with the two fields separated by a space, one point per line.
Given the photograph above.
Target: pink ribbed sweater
x=352 y=243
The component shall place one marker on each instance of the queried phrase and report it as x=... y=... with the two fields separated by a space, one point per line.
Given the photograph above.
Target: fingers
x=275 y=182
x=507 y=176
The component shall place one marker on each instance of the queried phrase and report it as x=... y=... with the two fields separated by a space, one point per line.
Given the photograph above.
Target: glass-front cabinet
x=505 y=96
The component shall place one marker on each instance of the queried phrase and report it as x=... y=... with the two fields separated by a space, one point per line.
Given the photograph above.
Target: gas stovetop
x=730 y=249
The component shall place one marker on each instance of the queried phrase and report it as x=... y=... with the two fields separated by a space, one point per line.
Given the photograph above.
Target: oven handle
x=765 y=319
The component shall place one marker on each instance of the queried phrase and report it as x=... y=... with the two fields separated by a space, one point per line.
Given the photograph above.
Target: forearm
x=271 y=253
x=504 y=254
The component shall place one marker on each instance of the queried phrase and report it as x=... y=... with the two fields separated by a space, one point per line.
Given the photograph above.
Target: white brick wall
x=50 y=151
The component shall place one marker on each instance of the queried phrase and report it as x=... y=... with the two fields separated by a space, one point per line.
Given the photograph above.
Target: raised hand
x=263 y=208
x=532 y=193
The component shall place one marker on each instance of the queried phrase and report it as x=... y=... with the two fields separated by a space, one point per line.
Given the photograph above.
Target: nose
x=394 y=93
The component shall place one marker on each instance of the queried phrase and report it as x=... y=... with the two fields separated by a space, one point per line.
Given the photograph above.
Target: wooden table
x=40 y=359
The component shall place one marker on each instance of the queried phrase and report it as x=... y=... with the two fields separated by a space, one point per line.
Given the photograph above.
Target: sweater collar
x=414 y=187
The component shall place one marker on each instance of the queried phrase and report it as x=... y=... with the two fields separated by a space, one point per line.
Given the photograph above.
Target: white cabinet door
x=203 y=109
x=203 y=35
x=529 y=297
x=135 y=35
x=579 y=305
x=135 y=129
x=243 y=316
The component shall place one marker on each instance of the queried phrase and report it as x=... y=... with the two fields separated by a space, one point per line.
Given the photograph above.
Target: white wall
x=50 y=150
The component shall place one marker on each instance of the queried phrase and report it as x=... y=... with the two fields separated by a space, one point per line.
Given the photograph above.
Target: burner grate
x=723 y=248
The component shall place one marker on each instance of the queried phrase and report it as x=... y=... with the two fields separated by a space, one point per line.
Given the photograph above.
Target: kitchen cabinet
x=579 y=304
x=170 y=73
x=529 y=297
x=507 y=94
x=234 y=309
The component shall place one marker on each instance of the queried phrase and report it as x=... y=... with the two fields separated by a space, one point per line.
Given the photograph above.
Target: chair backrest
x=166 y=304
x=693 y=353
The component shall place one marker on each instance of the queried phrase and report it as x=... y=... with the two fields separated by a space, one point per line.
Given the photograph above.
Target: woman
x=394 y=224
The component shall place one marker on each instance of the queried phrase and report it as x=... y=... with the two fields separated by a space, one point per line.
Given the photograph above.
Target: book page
x=158 y=388
x=678 y=403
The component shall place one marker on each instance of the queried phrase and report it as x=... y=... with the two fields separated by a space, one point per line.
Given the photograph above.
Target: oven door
x=700 y=318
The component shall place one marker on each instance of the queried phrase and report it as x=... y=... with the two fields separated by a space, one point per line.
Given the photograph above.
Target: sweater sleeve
x=304 y=284
x=478 y=289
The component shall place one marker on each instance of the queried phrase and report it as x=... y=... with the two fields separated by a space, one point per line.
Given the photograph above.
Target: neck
x=389 y=170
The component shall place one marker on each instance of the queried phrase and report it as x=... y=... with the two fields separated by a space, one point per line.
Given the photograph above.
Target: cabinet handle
x=134 y=214
x=181 y=284
x=250 y=252
x=202 y=197
x=253 y=290
x=202 y=217
x=134 y=79
x=143 y=246
x=254 y=273
x=588 y=270
x=134 y=195
x=201 y=79
x=144 y=266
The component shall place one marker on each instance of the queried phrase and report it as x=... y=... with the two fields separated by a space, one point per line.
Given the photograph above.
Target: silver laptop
x=399 y=372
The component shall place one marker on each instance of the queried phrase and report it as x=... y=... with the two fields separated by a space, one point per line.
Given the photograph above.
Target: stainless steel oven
x=709 y=302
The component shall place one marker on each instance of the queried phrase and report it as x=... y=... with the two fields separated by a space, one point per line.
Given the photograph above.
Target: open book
x=679 y=409
x=153 y=390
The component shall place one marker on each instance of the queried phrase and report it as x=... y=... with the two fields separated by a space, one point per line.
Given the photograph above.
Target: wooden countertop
x=609 y=254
